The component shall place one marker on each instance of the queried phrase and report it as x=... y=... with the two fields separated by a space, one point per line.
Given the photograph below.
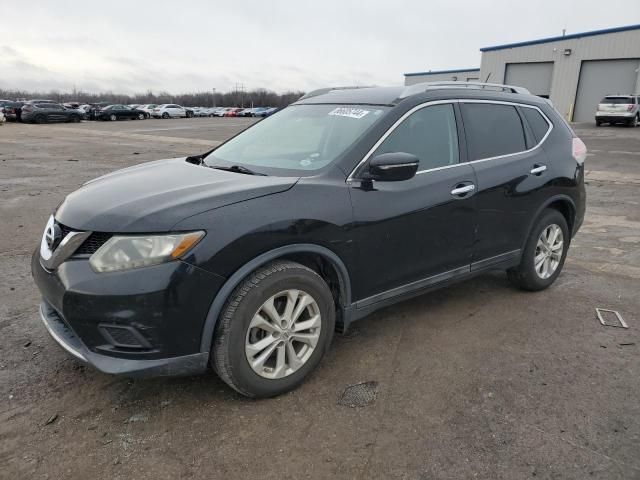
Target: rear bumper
x=69 y=341
x=614 y=117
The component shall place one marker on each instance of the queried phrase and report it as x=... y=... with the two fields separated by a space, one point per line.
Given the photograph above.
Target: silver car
x=619 y=109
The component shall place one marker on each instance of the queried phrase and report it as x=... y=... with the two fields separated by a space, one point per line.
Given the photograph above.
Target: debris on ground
x=51 y=419
x=359 y=394
x=618 y=318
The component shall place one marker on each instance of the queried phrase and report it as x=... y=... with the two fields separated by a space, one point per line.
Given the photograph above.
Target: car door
x=417 y=232
x=56 y=113
x=511 y=172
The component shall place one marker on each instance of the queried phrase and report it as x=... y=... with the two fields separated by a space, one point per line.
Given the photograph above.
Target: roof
x=367 y=95
x=442 y=72
x=562 y=37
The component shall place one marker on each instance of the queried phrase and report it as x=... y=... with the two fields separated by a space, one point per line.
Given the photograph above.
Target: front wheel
x=274 y=330
x=112 y=117
x=165 y=115
x=544 y=253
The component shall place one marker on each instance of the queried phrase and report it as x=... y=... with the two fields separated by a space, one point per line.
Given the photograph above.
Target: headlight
x=125 y=252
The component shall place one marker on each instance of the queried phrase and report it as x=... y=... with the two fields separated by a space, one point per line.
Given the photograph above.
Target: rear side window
x=492 y=130
x=537 y=122
x=618 y=100
x=430 y=134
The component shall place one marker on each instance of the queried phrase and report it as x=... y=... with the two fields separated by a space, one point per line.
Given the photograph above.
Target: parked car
x=169 y=110
x=35 y=112
x=147 y=109
x=95 y=109
x=12 y=110
x=267 y=112
x=619 y=109
x=232 y=112
x=250 y=256
x=119 y=112
x=2 y=117
x=247 y=112
x=258 y=111
x=220 y=111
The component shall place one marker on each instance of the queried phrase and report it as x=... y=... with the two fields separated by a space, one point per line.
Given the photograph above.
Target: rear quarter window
x=536 y=121
x=492 y=130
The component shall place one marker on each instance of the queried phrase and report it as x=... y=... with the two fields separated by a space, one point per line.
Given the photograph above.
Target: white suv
x=619 y=109
x=169 y=110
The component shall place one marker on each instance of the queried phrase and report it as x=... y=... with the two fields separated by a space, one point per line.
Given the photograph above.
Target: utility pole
x=213 y=91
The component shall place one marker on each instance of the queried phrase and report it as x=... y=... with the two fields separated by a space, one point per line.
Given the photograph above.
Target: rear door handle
x=538 y=169
x=463 y=190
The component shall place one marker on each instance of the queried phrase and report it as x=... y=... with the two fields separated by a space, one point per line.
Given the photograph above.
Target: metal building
x=461 y=75
x=575 y=71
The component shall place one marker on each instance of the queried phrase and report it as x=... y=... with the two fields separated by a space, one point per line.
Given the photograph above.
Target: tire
x=141 y=116
x=633 y=122
x=236 y=332
x=598 y=123
x=526 y=276
x=40 y=119
x=165 y=115
x=113 y=117
x=147 y=116
x=75 y=119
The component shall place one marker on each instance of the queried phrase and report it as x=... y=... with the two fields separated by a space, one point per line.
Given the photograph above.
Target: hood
x=154 y=196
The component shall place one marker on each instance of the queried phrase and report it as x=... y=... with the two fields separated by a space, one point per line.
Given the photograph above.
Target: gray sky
x=195 y=45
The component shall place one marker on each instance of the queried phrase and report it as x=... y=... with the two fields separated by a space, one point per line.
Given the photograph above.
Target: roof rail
x=423 y=87
x=322 y=91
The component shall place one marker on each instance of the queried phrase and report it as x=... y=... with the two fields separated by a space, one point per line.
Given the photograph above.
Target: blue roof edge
x=566 y=37
x=436 y=72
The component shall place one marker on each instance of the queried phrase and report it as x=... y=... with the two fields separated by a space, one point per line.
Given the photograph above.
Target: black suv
x=48 y=112
x=249 y=257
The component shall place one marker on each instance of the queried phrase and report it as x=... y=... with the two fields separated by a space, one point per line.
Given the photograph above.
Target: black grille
x=91 y=244
x=121 y=336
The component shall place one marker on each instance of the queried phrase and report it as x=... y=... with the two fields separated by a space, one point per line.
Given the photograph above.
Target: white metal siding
x=534 y=76
x=564 y=85
x=603 y=77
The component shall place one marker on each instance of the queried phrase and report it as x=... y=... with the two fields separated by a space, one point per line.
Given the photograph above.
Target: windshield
x=299 y=139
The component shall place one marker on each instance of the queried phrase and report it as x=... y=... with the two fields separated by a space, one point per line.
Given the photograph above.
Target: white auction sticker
x=349 y=112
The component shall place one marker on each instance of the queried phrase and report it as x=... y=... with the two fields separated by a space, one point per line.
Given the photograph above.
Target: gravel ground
x=477 y=380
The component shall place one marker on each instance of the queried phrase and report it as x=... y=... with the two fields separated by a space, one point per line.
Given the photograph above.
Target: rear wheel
x=274 y=329
x=165 y=115
x=598 y=123
x=633 y=122
x=141 y=116
x=75 y=119
x=544 y=253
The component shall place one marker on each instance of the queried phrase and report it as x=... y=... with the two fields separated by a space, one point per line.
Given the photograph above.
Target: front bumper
x=68 y=340
x=146 y=321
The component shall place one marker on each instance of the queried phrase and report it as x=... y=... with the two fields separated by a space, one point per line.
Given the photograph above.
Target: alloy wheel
x=549 y=251
x=283 y=334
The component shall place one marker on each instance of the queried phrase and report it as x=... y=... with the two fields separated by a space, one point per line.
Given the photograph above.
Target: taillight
x=630 y=107
x=579 y=150
x=27 y=108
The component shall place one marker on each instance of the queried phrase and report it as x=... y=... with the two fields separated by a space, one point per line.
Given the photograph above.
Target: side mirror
x=393 y=167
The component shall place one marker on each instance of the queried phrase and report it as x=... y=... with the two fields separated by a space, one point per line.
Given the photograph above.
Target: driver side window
x=430 y=134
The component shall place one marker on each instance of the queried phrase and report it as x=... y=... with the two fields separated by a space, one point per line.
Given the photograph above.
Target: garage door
x=599 y=78
x=535 y=77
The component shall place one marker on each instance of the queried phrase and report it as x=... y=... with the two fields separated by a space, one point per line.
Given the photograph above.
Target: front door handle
x=463 y=190
x=538 y=169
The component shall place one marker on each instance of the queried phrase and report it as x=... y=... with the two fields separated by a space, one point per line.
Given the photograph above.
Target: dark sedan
x=48 y=112
x=119 y=112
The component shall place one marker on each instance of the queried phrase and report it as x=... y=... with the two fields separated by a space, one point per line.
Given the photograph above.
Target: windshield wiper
x=238 y=169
